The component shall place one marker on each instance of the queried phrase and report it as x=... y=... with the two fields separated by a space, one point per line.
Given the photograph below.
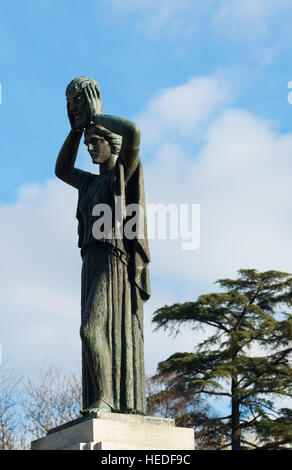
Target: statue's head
x=76 y=101
x=101 y=143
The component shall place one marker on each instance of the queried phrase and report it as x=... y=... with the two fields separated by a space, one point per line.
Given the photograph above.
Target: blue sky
x=207 y=83
x=133 y=55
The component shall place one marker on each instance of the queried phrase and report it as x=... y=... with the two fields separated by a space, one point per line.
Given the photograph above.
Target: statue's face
x=76 y=106
x=97 y=146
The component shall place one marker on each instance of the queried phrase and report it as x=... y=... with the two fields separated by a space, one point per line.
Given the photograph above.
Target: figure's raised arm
x=65 y=169
x=130 y=132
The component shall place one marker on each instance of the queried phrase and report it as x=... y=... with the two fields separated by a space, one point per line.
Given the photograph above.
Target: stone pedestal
x=115 y=431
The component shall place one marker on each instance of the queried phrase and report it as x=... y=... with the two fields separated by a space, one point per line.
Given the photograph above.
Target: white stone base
x=115 y=431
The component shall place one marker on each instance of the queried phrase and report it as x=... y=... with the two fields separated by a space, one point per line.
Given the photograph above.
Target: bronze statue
x=115 y=279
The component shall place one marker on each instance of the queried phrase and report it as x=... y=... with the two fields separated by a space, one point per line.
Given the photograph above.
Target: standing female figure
x=115 y=279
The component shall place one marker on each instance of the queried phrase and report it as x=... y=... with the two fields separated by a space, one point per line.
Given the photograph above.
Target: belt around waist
x=124 y=257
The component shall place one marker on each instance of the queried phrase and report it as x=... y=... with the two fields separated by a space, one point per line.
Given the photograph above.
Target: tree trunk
x=235 y=415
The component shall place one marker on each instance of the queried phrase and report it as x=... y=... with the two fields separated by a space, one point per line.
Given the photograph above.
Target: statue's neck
x=108 y=165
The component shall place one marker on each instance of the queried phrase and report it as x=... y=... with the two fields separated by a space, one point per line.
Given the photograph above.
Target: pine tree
x=167 y=396
x=252 y=310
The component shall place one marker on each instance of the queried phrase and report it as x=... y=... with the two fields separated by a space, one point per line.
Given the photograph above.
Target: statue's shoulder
x=88 y=180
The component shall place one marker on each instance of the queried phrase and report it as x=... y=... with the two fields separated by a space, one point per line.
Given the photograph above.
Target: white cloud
x=239 y=176
x=182 y=109
x=241 y=180
x=39 y=275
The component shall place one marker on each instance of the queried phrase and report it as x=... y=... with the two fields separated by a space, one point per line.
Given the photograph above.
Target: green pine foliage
x=168 y=397
x=252 y=310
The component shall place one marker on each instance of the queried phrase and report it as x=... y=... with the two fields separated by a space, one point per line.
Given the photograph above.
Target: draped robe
x=115 y=284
